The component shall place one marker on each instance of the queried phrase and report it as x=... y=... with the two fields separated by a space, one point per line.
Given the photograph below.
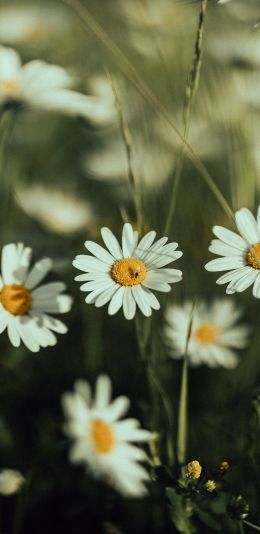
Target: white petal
x=116 y=301
x=12 y=331
x=52 y=289
x=116 y=409
x=218 y=247
x=129 y=305
x=224 y=264
x=4 y=316
x=103 y=392
x=157 y=285
x=128 y=240
x=106 y=296
x=38 y=272
x=256 y=288
x=100 y=252
x=51 y=323
x=164 y=275
x=243 y=283
x=247 y=226
x=9 y=63
x=233 y=275
x=111 y=243
x=89 y=263
x=144 y=244
x=139 y=294
x=230 y=238
x=102 y=284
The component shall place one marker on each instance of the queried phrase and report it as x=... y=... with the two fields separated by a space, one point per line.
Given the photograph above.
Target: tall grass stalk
x=130 y=71
x=126 y=137
x=191 y=88
x=183 y=400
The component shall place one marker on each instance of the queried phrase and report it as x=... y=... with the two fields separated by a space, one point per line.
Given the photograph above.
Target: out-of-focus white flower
x=213 y=335
x=24 y=307
x=124 y=276
x=223 y=1
x=40 y=85
x=152 y=162
x=60 y=212
x=239 y=255
x=101 y=440
x=244 y=49
x=30 y=24
x=11 y=481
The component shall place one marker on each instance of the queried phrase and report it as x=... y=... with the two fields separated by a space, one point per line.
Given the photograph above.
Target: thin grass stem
x=126 y=137
x=130 y=71
x=191 y=88
x=183 y=400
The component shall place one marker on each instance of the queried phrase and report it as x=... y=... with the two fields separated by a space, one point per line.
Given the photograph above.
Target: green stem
x=183 y=401
x=155 y=387
x=241 y=528
x=128 y=147
x=191 y=88
x=252 y=525
x=130 y=71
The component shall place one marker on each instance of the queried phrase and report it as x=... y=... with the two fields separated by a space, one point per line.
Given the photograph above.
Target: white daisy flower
x=101 y=440
x=124 y=276
x=24 y=307
x=59 y=211
x=30 y=24
x=214 y=333
x=11 y=481
x=239 y=255
x=40 y=85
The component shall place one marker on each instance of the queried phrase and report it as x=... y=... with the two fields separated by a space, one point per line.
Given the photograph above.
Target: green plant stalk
x=191 y=88
x=183 y=400
x=130 y=71
x=155 y=387
x=126 y=137
x=252 y=525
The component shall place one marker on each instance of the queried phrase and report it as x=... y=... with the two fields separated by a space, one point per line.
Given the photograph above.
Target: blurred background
x=64 y=177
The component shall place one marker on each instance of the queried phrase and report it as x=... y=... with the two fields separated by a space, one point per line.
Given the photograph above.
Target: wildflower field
x=130 y=266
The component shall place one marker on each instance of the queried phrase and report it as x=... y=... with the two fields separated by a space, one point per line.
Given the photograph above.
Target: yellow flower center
x=206 y=333
x=34 y=34
x=9 y=85
x=129 y=271
x=102 y=435
x=193 y=470
x=253 y=256
x=16 y=299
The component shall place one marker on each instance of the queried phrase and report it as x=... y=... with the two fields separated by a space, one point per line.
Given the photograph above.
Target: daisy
x=30 y=24
x=59 y=211
x=40 y=85
x=24 y=307
x=11 y=481
x=101 y=440
x=239 y=255
x=124 y=276
x=214 y=333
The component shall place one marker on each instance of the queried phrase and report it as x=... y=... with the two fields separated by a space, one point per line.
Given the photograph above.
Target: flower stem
x=252 y=525
x=191 y=88
x=137 y=80
x=183 y=401
x=126 y=137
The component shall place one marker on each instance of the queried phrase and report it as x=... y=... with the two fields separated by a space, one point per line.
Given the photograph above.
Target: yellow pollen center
x=206 y=333
x=9 y=85
x=129 y=271
x=38 y=32
x=102 y=435
x=253 y=256
x=16 y=299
